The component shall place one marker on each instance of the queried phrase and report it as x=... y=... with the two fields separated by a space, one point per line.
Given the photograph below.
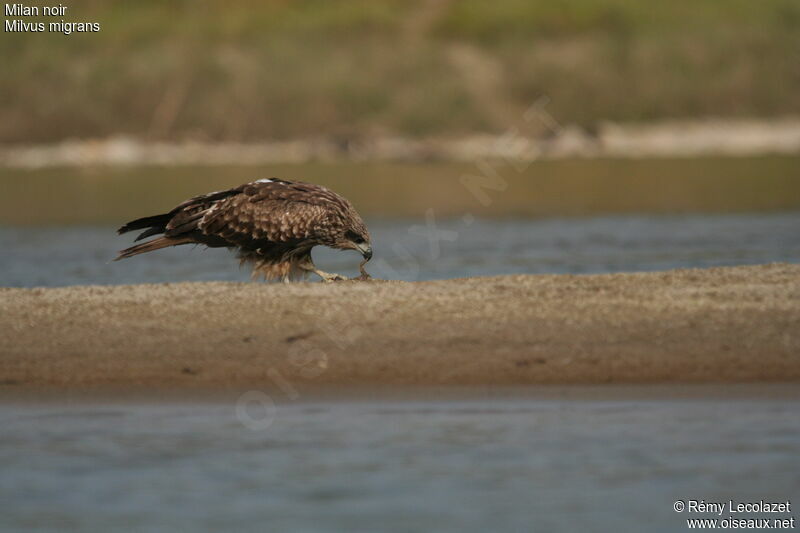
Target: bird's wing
x=181 y=220
x=274 y=211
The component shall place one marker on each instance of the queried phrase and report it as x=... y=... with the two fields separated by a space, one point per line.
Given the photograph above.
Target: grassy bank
x=544 y=188
x=252 y=70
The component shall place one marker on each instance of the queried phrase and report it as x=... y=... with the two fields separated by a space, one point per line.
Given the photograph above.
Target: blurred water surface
x=427 y=249
x=568 y=463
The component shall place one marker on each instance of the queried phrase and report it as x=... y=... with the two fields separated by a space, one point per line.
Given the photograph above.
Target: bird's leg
x=327 y=277
x=309 y=266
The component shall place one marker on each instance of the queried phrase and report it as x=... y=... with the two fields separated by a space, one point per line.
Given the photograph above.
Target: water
x=521 y=462
x=525 y=462
x=427 y=249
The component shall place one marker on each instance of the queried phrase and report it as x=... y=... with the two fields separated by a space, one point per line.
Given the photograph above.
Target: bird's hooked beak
x=365 y=249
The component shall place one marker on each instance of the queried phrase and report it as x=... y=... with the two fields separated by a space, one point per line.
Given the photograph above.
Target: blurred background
x=475 y=137
x=254 y=70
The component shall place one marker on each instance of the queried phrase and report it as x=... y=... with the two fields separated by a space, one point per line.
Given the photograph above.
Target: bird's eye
x=356 y=238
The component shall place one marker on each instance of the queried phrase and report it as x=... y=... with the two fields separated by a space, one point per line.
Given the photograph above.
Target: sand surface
x=717 y=325
x=688 y=138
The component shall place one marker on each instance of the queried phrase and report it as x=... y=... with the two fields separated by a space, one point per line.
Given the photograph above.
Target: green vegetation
x=545 y=188
x=284 y=69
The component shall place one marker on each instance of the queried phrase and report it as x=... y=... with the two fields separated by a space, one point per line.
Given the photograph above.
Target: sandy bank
x=722 y=324
x=688 y=138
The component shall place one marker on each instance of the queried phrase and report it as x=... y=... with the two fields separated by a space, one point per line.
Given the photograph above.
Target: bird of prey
x=271 y=223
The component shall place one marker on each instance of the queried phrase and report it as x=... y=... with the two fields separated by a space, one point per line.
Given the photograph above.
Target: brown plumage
x=272 y=223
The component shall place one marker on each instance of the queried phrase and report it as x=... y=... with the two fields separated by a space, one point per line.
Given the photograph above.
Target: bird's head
x=355 y=237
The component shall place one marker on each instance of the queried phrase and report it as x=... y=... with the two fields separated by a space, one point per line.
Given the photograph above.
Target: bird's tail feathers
x=149 y=246
x=146 y=222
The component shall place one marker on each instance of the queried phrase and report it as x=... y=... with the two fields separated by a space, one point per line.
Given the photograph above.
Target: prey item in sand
x=271 y=223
